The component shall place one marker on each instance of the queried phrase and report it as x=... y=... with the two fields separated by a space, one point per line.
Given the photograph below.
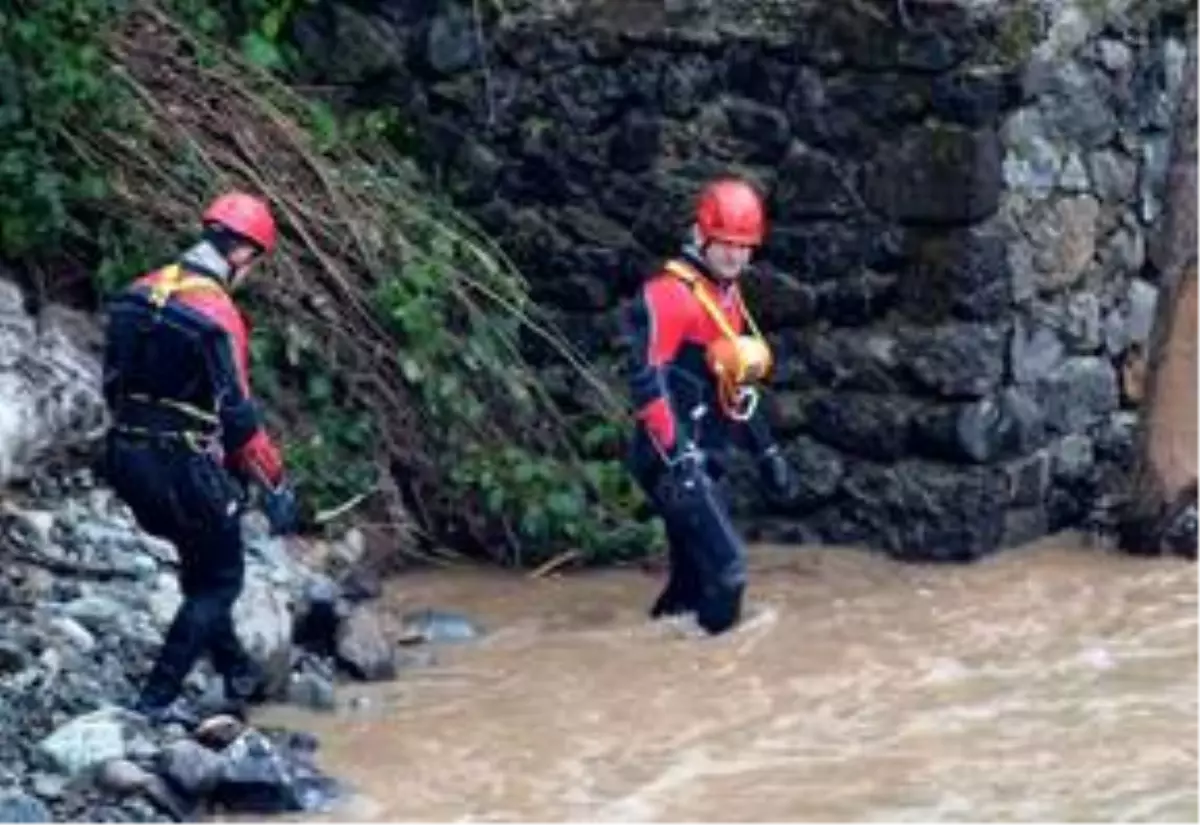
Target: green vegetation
x=387 y=330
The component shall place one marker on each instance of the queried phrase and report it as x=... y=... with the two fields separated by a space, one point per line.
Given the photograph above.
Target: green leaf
x=494 y=500
x=320 y=387
x=273 y=21
x=565 y=505
x=524 y=472
x=412 y=371
x=261 y=52
x=324 y=124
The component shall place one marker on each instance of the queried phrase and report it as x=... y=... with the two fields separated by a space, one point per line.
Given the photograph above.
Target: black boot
x=670 y=603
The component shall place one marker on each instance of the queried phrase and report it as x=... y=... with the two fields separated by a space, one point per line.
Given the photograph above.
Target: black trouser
x=707 y=573
x=183 y=495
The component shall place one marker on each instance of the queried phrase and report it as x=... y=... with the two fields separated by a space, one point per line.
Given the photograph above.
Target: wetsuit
x=176 y=382
x=682 y=431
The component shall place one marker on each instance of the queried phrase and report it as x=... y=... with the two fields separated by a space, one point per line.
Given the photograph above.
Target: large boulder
x=50 y=383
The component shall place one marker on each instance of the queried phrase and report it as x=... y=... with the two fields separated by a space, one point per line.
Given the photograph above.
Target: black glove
x=778 y=480
x=282 y=509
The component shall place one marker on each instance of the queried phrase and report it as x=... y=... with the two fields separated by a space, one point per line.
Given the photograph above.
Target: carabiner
x=744 y=404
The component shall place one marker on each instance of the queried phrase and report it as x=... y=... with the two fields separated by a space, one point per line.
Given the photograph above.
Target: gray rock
x=16 y=806
x=1064 y=240
x=961 y=274
x=975 y=432
x=862 y=424
x=1073 y=457
x=851 y=359
x=261 y=776
x=1078 y=392
x=122 y=776
x=357 y=46
x=86 y=741
x=193 y=768
x=1116 y=332
x=263 y=620
x=1033 y=162
x=927 y=511
x=1156 y=154
x=47 y=786
x=813 y=184
x=36 y=527
x=818 y=468
x=763 y=130
x=1077 y=106
x=1114 y=55
x=1036 y=350
x=451 y=45
x=955 y=360
x=1114 y=175
x=1175 y=64
x=1141 y=298
x=1028 y=480
x=311 y=689
x=1125 y=252
x=1074 y=176
x=432 y=625
x=1082 y=326
x=99 y=614
x=363 y=647
x=13 y=657
x=1024 y=525
x=936 y=174
x=130 y=780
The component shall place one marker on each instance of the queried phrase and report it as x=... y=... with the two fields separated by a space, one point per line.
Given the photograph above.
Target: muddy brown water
x=1054 y=682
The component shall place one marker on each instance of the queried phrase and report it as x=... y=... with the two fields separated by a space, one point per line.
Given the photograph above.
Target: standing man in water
x=697 y=355
x=176 y=382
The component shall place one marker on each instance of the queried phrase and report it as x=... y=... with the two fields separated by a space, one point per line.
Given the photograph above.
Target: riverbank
x=85 y=600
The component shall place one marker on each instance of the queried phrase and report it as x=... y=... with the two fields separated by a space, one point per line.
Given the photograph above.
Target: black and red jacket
x=182 y=367
x=670 y=332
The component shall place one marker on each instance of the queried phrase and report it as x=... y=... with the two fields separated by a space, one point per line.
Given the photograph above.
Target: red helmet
x=244 y=215
x=732 y=211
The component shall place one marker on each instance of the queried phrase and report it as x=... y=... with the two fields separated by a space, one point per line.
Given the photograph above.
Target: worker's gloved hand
x=779 y=481
x=282 y=509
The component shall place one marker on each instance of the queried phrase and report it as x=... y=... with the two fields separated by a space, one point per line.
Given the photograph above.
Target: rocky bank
x=961 y=195
x=85 y=600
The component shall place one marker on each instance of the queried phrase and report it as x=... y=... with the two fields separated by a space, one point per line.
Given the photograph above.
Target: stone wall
x=960 y=196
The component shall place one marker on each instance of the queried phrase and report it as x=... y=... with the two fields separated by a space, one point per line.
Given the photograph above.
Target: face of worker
x=727 y=261
x=242 y=260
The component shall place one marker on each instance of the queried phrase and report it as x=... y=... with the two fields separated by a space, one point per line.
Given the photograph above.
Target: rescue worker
x=697 y=357
x=185 y=431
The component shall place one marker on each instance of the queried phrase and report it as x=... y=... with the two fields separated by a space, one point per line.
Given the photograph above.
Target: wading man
x=697 y=356
x=186 y=431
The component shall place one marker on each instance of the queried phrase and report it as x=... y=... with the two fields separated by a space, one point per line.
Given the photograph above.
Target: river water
x=1054 y=682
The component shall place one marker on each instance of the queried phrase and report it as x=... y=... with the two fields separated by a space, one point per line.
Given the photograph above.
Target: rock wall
x=960 y=196
x=49 y=384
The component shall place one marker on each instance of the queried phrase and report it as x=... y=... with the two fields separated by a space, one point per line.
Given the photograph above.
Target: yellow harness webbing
x=691 y=277
x=174 y=281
